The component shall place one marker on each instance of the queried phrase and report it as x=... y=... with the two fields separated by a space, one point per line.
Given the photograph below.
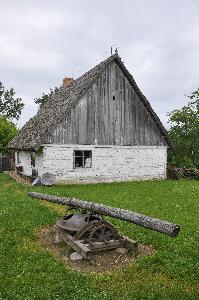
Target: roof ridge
x=111 y=57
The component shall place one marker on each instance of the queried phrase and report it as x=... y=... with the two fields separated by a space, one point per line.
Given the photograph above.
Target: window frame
x=83 y=158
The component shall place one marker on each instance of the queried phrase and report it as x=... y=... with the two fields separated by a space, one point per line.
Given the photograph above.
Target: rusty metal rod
x=118 y=213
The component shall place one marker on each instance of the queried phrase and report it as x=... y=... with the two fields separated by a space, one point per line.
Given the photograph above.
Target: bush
x=177 y=173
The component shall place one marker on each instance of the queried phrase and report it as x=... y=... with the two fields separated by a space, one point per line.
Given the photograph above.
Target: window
x=33 y=159
x=82 y=158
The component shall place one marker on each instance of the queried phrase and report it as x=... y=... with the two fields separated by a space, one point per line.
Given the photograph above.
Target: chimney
x=67 y=81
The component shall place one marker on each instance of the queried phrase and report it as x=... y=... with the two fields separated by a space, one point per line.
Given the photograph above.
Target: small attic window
x=113 y=97
x=82 y=158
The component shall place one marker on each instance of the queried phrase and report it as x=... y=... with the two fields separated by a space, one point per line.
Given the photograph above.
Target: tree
x=45 y=97
x=7 y=132
x=10 y=106
x=184 y=133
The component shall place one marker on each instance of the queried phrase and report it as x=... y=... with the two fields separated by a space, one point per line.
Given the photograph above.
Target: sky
x=41 y=42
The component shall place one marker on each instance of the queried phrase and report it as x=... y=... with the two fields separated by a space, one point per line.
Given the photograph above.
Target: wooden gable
x=109 y=113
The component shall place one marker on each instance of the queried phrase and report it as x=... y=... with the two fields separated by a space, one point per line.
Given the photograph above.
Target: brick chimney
x=67 y=81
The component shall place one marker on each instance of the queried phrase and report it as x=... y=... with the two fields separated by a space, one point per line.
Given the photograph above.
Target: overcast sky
x=41 y=42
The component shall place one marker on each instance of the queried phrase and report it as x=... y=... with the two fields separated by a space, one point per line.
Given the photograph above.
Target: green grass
x=28 y=271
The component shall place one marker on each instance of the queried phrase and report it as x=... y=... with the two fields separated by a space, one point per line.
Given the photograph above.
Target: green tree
x=10 y=106
x=7 y=132
x=184 y=133
x=45 y=97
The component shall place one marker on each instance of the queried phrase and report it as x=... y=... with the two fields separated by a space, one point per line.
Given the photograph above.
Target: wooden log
x=118 y=213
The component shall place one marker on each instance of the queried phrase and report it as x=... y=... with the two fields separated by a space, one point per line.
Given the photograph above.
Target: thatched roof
x=32 y=135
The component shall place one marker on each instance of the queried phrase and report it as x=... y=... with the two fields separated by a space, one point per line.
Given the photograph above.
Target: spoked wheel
x=102 y=233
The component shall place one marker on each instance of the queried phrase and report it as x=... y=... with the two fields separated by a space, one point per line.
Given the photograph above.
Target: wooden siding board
x=98 y=119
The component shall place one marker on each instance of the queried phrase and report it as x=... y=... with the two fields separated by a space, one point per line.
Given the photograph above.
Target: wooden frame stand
x=86 y=249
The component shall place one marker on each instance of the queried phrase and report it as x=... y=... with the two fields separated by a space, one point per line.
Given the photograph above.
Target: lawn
x=28 y=271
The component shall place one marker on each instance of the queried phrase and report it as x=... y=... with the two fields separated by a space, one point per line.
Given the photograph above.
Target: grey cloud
x=43 y=41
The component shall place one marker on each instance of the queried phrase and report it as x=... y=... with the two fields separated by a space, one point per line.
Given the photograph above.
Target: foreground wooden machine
x=87 y=232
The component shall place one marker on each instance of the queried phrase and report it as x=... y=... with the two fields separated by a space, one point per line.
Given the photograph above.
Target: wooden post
x=1 y=162
x=131 y=245
x=57 y=234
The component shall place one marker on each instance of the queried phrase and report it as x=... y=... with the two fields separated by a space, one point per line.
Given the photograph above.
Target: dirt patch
x=100 y=262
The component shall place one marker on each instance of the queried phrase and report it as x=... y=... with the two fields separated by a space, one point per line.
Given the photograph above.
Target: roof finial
x=112 y=47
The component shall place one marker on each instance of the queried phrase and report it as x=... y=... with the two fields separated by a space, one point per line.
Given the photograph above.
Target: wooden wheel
x=102 y=233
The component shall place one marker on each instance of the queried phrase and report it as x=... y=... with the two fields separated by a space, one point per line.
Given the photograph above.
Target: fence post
x=1 y=162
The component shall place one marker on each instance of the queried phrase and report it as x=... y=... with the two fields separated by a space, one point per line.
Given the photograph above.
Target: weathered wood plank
x=118 y=213
x=98 y=119
x=130 y=244
x=82 y=249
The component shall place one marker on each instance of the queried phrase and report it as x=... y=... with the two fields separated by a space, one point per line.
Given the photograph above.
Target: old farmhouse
x=98 y=127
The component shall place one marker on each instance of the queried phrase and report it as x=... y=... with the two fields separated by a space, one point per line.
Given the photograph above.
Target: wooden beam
x=118 y=213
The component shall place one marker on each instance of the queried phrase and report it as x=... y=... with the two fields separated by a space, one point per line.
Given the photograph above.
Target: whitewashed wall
x=25 y=161
x=39 y=164
x=109 y=163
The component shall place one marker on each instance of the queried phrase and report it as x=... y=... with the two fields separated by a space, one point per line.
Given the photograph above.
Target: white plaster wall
x=39 y=164
x=109 y=163
x=25 y=161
